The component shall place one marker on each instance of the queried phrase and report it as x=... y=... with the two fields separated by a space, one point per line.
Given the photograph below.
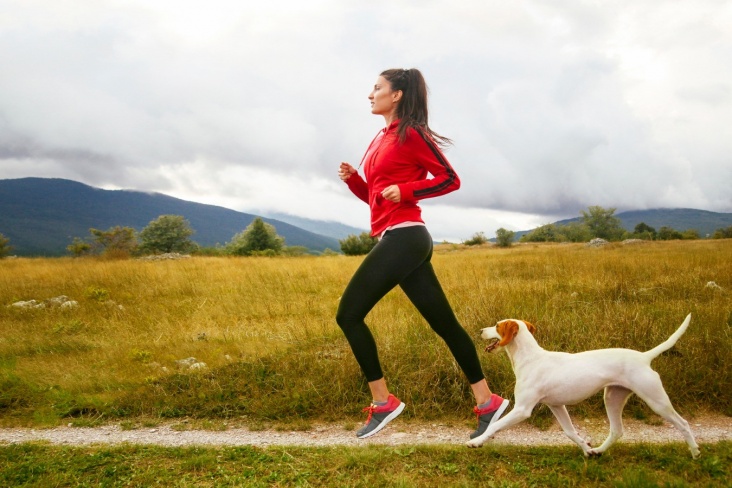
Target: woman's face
x=383 y=99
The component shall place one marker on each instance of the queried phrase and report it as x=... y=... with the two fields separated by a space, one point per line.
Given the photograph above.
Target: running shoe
x=488 y=415
x=379 y=416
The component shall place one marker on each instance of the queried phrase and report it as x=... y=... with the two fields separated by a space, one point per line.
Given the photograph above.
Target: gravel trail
x=707 y=429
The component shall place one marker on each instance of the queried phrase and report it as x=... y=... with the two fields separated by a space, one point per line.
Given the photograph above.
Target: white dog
x=559 y=378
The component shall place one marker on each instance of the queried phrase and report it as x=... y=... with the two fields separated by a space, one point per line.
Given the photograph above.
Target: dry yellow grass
x=136 y=318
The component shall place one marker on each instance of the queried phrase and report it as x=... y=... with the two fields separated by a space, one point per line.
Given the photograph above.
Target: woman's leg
x=424 y=290
x=396 y=255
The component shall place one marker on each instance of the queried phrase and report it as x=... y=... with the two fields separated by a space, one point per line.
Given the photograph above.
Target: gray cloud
x=553 y=107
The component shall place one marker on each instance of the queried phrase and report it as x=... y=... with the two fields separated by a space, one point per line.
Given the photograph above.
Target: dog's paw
x=475 y=443
x=593 y=453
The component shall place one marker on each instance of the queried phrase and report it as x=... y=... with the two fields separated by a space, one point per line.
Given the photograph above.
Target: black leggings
x=402 y=257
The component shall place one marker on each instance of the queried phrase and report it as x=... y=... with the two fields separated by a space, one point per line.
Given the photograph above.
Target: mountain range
x=41 y=216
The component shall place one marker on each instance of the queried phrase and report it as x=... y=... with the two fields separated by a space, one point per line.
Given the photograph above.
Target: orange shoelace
x=370 y=409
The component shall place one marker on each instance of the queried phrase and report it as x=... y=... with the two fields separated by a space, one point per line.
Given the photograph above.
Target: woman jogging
x=396 y=167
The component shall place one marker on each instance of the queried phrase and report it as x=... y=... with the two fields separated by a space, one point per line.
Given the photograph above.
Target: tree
x=602 y=223
x=4 y=247
x=354 y=245
x=644 y=231
x=258 y=238
x=115 y=242
x=504 y=238
x=167 y=233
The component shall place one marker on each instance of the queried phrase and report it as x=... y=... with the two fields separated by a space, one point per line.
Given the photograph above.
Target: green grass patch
x=408 y=466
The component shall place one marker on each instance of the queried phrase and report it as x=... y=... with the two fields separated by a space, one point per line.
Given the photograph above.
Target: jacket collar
x=391 y=126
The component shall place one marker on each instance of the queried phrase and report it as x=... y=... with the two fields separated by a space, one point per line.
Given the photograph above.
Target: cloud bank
x=252 y=105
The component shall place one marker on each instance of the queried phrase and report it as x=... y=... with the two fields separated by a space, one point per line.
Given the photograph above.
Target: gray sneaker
x=379 y=416
x=489 y=414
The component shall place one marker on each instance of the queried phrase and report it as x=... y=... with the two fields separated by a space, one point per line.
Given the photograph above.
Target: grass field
x=274 y=357
x=264 y=327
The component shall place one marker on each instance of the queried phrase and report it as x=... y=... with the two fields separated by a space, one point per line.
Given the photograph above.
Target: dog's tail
x=670 y=342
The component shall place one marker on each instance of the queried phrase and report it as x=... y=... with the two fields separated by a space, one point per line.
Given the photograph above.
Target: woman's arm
x=429 y=156
x=355 y=183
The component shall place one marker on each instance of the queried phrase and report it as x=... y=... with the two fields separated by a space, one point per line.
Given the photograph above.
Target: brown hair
x=412 y=109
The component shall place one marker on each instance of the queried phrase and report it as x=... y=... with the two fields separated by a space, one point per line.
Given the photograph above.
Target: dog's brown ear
x=531 y=327
x=508 y=331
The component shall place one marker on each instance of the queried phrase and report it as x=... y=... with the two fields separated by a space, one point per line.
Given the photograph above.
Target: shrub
x=356 y=245
x=545 y=233
x=723 y=233
x=115 y=242
x=669 y=234
x=79 y=247
x=477 y=239
x=4 y=247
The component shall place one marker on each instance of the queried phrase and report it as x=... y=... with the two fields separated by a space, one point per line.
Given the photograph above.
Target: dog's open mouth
x=492 y=345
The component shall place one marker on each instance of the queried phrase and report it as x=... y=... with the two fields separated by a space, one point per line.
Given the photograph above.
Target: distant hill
x=680 y=219
x=41 y=216
x=332 y=229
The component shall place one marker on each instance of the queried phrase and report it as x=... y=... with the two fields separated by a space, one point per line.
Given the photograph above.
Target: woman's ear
x=396 y=96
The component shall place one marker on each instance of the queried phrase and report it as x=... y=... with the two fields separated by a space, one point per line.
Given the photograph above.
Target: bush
x=545 y=233
x=723 y=233
x=79 y=247
x=669 y=234
x=115 y=242
x=356 y=245
x=4 y=247
x=477 y=239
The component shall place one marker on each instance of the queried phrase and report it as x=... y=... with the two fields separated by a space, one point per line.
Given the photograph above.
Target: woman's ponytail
x=412 y=110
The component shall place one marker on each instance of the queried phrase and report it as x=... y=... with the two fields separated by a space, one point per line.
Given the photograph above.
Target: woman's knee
x=346 y=320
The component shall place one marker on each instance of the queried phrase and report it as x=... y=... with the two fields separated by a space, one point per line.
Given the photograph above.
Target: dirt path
x=707 y=429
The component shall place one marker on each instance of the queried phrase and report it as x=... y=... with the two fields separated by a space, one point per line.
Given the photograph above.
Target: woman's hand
x=392 y=193
x=345 y=171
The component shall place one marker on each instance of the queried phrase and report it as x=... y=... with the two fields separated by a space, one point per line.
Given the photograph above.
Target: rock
x=27 y=304
x=186 y=363
x=597 y=242
x=61 y=301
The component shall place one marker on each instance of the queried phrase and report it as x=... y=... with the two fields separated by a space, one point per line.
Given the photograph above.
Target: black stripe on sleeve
x=441 y=159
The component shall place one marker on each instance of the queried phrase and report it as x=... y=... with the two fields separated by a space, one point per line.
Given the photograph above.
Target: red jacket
x=388 y=162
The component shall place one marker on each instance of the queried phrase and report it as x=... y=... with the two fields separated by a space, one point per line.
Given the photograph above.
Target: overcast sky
x=553 y=106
